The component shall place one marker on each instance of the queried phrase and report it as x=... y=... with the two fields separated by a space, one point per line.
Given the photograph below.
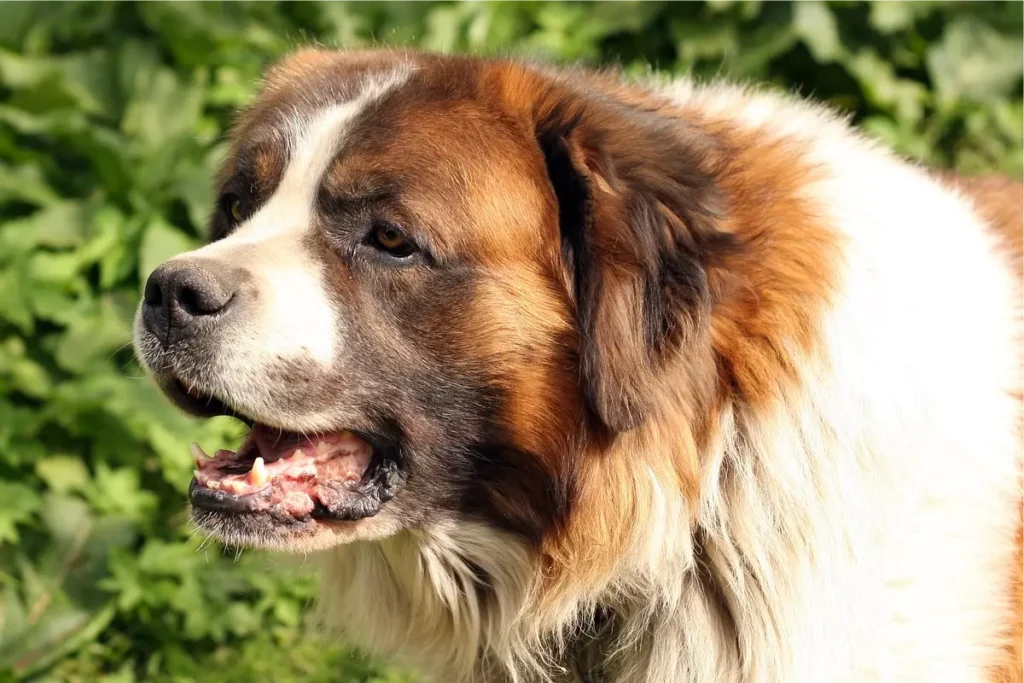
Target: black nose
x=181 y=297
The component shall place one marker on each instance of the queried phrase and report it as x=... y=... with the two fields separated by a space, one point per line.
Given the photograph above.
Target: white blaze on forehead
x=293 y=316
x=313 y=142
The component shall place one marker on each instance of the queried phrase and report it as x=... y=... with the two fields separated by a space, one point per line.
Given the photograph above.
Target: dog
x=563 y=377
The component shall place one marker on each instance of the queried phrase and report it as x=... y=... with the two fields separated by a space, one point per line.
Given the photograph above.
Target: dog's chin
x=290 y=490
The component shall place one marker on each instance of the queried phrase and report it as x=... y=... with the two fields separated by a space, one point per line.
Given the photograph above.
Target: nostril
x=201 y=298
x=153 y=296
x=190 y=301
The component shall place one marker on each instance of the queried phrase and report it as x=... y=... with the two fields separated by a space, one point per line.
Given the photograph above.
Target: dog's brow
x=353 y=202
x=357 y=192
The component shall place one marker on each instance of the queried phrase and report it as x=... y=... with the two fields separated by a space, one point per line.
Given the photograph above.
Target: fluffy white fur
x=860 y=530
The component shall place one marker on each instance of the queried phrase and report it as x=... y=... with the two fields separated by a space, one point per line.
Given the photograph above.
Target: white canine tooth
x=198 y=475
x=198 y=454
x=297 y=453
x=322 y=446
x=258 y=473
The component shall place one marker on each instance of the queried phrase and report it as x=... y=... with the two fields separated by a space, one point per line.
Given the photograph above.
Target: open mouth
x=331 y=476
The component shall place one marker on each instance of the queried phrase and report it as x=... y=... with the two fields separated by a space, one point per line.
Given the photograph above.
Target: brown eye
x=390 y=239
x=231 y=205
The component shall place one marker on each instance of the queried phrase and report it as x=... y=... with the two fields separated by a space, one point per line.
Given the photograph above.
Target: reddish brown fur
x=466 y=204
x=763 y=310
x=772 y=291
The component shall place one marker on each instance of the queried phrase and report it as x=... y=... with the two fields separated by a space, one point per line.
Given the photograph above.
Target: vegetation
x=112 y=119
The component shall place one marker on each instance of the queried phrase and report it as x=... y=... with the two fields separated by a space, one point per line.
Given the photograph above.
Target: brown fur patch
x=767 y=290
x=267 y=167
x=772 y=290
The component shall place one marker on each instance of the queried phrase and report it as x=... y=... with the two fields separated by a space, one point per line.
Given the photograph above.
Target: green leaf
x=60 y=634
x=114 y=245
x=711 y=40
x=20 y=503
x=29 y=377
x=161 y=241
x=12 y=614
x=93 y=335
x=84 y=80
x=976 y=62
x=891 y=16
x=25 y=183
x=14 y=301
x=816 y=25
x=63 y=473
x=161 y=107
x=59 y=225
x=904 y=99
x=119 y=491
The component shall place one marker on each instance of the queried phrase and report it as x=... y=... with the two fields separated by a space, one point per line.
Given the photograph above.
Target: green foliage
x=112 y=121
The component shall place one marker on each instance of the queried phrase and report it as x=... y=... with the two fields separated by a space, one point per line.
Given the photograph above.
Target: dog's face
x=391 y=298
x=381 y=299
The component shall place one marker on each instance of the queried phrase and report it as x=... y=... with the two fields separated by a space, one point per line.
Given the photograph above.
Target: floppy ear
x=637 y=210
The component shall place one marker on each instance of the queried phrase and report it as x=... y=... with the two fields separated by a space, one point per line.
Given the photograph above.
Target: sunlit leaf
x=63 y=473
x=93 y=336
x=816 y=25
x=161 y=241
x=20 y=503
x=974 y=61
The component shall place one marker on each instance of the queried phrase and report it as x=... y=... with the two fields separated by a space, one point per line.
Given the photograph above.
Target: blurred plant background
x=112 y=120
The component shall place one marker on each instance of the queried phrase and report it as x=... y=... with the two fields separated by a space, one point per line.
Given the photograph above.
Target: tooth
x=213 y=484
x=198 y=475
x=258 y=473
x=296 y=454
x=199 y=456
x=322 y=446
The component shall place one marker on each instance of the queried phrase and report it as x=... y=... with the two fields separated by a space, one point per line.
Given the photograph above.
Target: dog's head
x=431 y=283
